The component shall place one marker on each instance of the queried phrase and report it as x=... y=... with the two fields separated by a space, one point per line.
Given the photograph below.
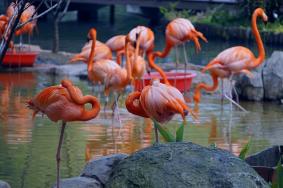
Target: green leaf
x=180 y=133
x=244 y=151
x=278 y=183
x=168 y=137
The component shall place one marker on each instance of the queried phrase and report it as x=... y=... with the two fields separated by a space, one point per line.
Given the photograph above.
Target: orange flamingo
x=177 y=32
x=144 y=38
x=157 y=101
x=238 y=59
x=65 y=103
x=98 y=70
x=118 y=78
x=101 y=52
x=117 y=44
x=26 y=15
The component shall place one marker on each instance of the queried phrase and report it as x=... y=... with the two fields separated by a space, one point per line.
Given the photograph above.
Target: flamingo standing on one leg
x=65 y=103
x=240 y=59
x=157 y=101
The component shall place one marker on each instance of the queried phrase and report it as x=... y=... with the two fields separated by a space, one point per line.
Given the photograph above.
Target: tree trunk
x=55 y=47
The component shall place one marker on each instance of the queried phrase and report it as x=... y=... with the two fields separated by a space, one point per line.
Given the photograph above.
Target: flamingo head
x=261 y=13
x=91 y=34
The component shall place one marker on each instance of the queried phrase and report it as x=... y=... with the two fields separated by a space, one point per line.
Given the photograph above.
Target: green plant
x=169 y=137
x=172 y=12
x=278 y=182
x=244 y=150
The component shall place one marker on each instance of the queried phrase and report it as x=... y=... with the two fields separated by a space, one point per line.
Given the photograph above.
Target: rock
x=273 y=77
x=79 y=182
x=250 y=88
x=101 y=168
x=183 y=165
x=4 y=184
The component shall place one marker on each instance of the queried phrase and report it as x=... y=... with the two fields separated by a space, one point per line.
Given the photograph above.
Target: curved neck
x=92 y=34
x=151 y=59
x=261 y=51
x=128 y=64
x=165 y=51
x=133 y=106
x=206 y=87
x=82 y=100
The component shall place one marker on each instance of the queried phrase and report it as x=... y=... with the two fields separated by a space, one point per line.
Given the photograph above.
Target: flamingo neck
x=128 y=64
x=206 y=87
x=258 y=39
x=134 y=106
x=165 y=51
x=79 y=100
x=92 y=52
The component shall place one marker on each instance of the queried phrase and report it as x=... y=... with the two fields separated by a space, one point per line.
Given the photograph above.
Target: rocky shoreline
x=167 y=165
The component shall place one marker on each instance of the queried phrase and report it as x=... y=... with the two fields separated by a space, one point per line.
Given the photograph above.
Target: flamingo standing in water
x=157 y=101
x=117 y=44
x=97 y=70
x=237 y=59
x=144 y=39
x=66 y=103
x=178 y=31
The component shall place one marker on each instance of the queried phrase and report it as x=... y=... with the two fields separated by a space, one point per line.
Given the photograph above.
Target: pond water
x=28 y=147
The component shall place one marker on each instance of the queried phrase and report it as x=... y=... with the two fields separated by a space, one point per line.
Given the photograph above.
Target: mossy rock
x=182 y=165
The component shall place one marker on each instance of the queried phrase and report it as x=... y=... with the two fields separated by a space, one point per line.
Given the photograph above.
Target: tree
x=13 y=21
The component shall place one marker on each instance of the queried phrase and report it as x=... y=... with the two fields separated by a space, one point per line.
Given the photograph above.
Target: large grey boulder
x=183 y=165
x=4 y=184
x=101 y=168
x=79 y=182
x=273 y=77
x=250 y=88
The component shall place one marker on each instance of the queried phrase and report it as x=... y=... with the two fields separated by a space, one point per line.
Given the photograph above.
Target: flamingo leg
x=222 y=92
x=176 y=63
x=236 y=93
x=186 y=61
x=156 y=135
x=58 y=158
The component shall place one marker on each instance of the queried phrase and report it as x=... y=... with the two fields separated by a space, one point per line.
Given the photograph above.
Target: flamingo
x=178 y=31
x=239 y=59
x=117 y=79
x=66 y=103
x=97 y=70
x=117 y=44
x=144 y=38
x=102 y=51
x=157 y=101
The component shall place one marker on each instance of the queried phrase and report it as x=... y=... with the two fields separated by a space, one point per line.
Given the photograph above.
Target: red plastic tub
x=180 y=80
x=20 y=58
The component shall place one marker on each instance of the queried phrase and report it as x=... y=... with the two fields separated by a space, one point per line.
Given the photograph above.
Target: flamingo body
x=158 y=101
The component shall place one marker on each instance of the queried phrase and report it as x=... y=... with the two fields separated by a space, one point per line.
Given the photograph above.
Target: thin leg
x=105 y=103
x=222 y=92
x=186 y=61
x=59 y=151
x=176 y=62
x=236 y=94
x=118 y=111
x=235 y=103
x=156 y=134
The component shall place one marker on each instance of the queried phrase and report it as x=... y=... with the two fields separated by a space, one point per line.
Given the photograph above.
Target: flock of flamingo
x=158 y=101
